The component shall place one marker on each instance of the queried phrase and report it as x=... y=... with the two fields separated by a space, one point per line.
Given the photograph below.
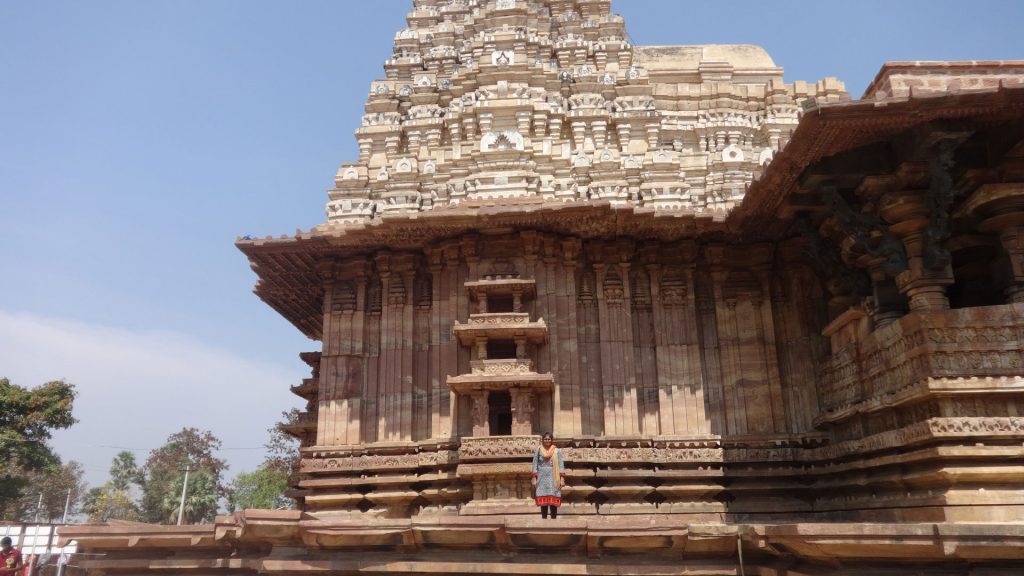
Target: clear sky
x=139 y=138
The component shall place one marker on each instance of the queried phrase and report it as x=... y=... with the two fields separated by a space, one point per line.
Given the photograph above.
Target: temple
x=773 y=329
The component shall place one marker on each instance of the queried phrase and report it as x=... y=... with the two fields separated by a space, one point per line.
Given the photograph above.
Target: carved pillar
x=481 y=413
x=924 y=284
x=568 y=379
x=389 y=359
x=734 y=418
x=1002 y=208
x=617 y=368
x=766 y=332
x=449 y=362
x=326 y=385
x=1012 y=239
x=589 y=343
x=524 y=406
x=405 y=341
x=437 y=328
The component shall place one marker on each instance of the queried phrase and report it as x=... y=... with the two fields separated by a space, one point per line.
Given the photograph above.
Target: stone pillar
x=568 y=379
x=1002 y=208
x=437 y=326
x=1013 y=242
x=481 y=413
x=924 y=286
x=524 y=406
x=405 y=342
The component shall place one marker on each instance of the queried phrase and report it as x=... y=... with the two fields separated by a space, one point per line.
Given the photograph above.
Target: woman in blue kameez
x=548 y=476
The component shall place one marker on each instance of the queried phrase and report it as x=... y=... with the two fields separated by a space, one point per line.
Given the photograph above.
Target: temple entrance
x=500 y=413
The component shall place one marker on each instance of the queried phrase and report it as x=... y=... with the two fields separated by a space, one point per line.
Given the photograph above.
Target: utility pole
x=39 y=506
x=184 y=488
x=67 y=504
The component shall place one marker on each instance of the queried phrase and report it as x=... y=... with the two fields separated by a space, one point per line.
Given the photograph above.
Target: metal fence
x=39 y=550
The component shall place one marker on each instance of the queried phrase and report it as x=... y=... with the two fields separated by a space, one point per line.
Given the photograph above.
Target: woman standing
x=548 y=476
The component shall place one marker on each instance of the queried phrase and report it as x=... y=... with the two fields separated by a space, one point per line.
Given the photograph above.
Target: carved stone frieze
x=498 y=447
x=378 y=462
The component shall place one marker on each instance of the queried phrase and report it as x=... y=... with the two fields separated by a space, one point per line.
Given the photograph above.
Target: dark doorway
x=497 y=303
x=500 y=420
x=501 y=349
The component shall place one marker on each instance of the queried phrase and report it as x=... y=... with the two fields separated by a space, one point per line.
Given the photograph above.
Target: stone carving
x=939 y=200
x=827 y=260
x=374 y=462
x=373 y=296
x=732 y=154
x=862 y=228
x=498 y=447
x=613 y=291
x=673 y=287
x=344 y=297
x=502 y=57
x=423 y=290
x=500 y=141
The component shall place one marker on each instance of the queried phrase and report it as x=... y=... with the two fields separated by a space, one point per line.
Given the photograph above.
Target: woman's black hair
x=547 y=435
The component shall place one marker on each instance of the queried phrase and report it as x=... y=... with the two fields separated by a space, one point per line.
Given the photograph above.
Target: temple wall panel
x=647 y=341
x=800 y=344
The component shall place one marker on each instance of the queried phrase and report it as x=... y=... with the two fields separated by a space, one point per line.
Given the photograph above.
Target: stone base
x=290 y=542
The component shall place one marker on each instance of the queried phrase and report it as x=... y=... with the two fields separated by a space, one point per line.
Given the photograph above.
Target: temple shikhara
x=774 y=329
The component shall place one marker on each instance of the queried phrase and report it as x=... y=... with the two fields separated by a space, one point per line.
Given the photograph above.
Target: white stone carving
x=350 y=174
x=732 y=153
x=503 y=57
x=765 y=156
x=502 y=140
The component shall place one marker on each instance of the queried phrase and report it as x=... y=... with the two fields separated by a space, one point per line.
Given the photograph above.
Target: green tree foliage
x=124 y=471
x=201 y=498
x=27 y=418
x=114 y=501
x=261 y=488
x=282 y=448
x=54 y=486
x=164 y=472
x=108 y=503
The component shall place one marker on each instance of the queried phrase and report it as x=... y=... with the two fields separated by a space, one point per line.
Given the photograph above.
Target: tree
x=113 y=500
x=27 y=418
x=55 y=486
x=164 y=472
x=108 y=503
x=124 y=471
x=200 y=499
x=261 y=488
x=282 y=448
x=265 y=487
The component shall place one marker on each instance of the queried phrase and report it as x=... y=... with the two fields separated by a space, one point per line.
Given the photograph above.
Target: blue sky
x=139 y=138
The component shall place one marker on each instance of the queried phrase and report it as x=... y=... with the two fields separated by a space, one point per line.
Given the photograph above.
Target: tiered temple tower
x=773 y=330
